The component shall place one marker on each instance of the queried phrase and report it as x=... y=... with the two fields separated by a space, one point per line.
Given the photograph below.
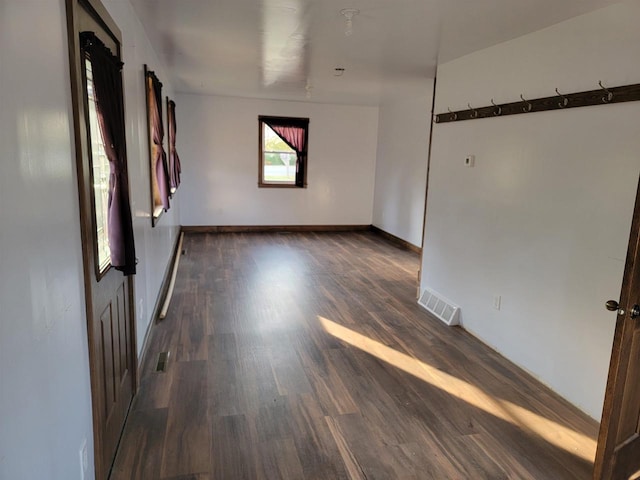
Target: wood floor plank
x=145 y=429
x=328 y=387
x=305 y=356
x=278 y=459
x=155 y=387
x=194 y=476
x=259 y=386
x=271 y=421
x=224 y=390
x=192 y=339
x=425 y=461
x=366 y=447
x=187 y=442
x=350 y=462
x=234 y=451
x=315 y=445
x=289 y=374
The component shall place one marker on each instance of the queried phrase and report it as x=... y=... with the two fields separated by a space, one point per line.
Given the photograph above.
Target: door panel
x=122 y=334
x=116 y=372
x=106 y=320
x=618 y=455
x=112 y=353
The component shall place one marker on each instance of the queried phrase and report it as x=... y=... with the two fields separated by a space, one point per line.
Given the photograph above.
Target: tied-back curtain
x=107 y=83
x=294 y=133
x=174 y=160
x=157 y=136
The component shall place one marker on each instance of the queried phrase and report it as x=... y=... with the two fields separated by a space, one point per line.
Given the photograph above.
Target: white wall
x=45 y=399
x=45 y=406
x=218 y=145
x=543 y=219
x=401 y=164
x=153 y=245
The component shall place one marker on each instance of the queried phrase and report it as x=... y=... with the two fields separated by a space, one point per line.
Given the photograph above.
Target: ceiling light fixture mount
x=349 y=13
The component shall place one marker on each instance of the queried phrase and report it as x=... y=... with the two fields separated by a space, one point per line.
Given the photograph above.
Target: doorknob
x=612 y=305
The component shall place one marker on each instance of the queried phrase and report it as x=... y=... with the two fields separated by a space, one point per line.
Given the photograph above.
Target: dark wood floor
x=305 y=356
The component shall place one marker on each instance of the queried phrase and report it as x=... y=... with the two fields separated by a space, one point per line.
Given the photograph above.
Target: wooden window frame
x=100 y=270
x=172 y=190
x=261 y=123
x=157 y=208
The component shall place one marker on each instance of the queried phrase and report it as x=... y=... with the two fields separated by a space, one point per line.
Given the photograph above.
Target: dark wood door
x=108 y=294
x=112 y=365
x=618 y=455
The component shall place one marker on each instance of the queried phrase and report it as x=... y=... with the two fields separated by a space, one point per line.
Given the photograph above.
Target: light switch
x=470 y=161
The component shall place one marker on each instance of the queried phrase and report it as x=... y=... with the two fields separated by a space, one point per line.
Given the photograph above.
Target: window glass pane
x=279 y=160
x=100 y=171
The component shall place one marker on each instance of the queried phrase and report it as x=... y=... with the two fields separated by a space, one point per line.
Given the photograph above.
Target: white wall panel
x=401 y=164
x=543 y=218
x=45 y=396
x=45 y=404
x=153 y=245
x=218 y=144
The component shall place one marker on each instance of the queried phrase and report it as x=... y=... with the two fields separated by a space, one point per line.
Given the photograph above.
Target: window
x=158 y=171
x=105 y=183
x=100 y=173
x=283 y=151
x=173 y=158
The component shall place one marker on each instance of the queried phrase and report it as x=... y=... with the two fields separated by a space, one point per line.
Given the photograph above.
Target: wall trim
x=164 y=286
x=396 y=240
x=272 y=228
x=399 y=242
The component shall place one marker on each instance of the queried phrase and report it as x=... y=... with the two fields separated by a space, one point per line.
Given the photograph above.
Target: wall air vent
x=439 y=306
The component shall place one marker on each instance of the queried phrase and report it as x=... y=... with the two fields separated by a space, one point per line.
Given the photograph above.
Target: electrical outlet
x=497 y=301
x=470 y=161
x=84 y=459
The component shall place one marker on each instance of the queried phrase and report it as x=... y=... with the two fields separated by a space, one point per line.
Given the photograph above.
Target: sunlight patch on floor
x=558 y=435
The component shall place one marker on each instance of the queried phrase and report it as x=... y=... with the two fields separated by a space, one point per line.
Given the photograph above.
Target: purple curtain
x=174 y=160
x=157 y=136
x=293 y=131
x=107 y=82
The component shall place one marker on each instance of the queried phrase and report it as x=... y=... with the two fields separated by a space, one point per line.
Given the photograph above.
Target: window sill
x=102 y=270
x=278 y=185
x=157 y=213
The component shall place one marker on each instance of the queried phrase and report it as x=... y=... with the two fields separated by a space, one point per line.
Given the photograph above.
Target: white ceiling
x=276 y=48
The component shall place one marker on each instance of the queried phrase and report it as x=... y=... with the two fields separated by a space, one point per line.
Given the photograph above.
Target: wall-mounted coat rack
x=560 y=101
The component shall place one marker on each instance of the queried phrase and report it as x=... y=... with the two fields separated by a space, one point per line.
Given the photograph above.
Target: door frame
x=102 y=17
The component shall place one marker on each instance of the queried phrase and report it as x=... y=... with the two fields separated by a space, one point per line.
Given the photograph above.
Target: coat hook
x=454 y=115
x=474 y=112
x=498 y=110
x=609 y=96
x=565 y=100
x=528 y=106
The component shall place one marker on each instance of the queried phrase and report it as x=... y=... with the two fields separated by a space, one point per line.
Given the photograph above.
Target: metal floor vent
x=439 y=306
x=163 y=359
